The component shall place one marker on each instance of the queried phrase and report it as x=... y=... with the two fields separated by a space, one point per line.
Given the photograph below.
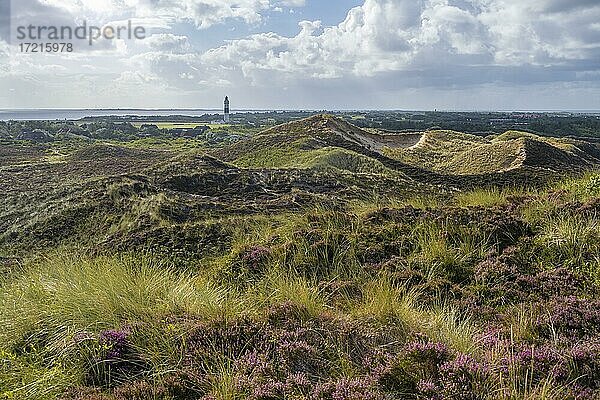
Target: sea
x=76 y=114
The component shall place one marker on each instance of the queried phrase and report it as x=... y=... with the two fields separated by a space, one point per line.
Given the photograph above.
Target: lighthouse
x=226 y=110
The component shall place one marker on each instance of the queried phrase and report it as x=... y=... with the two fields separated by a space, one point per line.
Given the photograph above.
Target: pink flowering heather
x=428 y=352
x=115 y=343
x=463 y=378
x=348 y=389
x=255 y=256
x=572 y=317
x=429 y=390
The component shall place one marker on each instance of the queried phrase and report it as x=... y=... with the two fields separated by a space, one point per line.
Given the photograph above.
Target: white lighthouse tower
x=226 y=110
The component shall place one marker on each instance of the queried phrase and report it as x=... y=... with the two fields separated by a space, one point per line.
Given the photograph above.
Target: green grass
x=583 y=189
x=177 y=145
x=460 y=154
x=285 y=156
x=63 y=296
x=489 y=197
x=292 y=156
x=56 y=299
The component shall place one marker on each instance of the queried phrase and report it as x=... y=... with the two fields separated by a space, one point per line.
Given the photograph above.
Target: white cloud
x=401 y=35
x=203 y=13
x=168 y=42
x=293 y=3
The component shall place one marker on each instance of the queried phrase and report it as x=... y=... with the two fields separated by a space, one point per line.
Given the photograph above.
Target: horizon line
x=302 y=110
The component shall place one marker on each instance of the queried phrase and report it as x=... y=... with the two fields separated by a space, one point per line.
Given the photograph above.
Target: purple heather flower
x=429 y=390
x=573 y=316
x=543 y=361
x=428 y=351
x=355 y=389
x=255 y=256
x=115 y=342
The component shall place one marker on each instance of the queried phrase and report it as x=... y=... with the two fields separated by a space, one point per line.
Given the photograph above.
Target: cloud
x=293 y=3
x=205 y=13
x=202 y=13
x=168 y=42
x=407 y=35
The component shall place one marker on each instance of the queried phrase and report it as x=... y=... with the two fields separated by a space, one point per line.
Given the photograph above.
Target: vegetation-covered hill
x=314 y=260
x=457 y=153
x=442 y=157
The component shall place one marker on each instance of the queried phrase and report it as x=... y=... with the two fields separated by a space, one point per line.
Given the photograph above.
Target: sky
x=309 y=54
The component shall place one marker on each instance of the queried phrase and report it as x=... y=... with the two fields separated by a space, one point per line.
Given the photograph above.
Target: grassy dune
x=292 y=156
x=460 y=154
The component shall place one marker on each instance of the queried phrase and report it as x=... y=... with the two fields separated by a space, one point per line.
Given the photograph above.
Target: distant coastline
x=77 y=114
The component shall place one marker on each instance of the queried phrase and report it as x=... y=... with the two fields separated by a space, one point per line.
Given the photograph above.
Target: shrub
x=570 y=316
x=585 y=362
x=348 y=389
x=114 y=359
x=420 y=360
x=430 y=371
x=464 y=378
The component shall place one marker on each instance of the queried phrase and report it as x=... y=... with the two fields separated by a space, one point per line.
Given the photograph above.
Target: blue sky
x=313 y=54
x=330 y=12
